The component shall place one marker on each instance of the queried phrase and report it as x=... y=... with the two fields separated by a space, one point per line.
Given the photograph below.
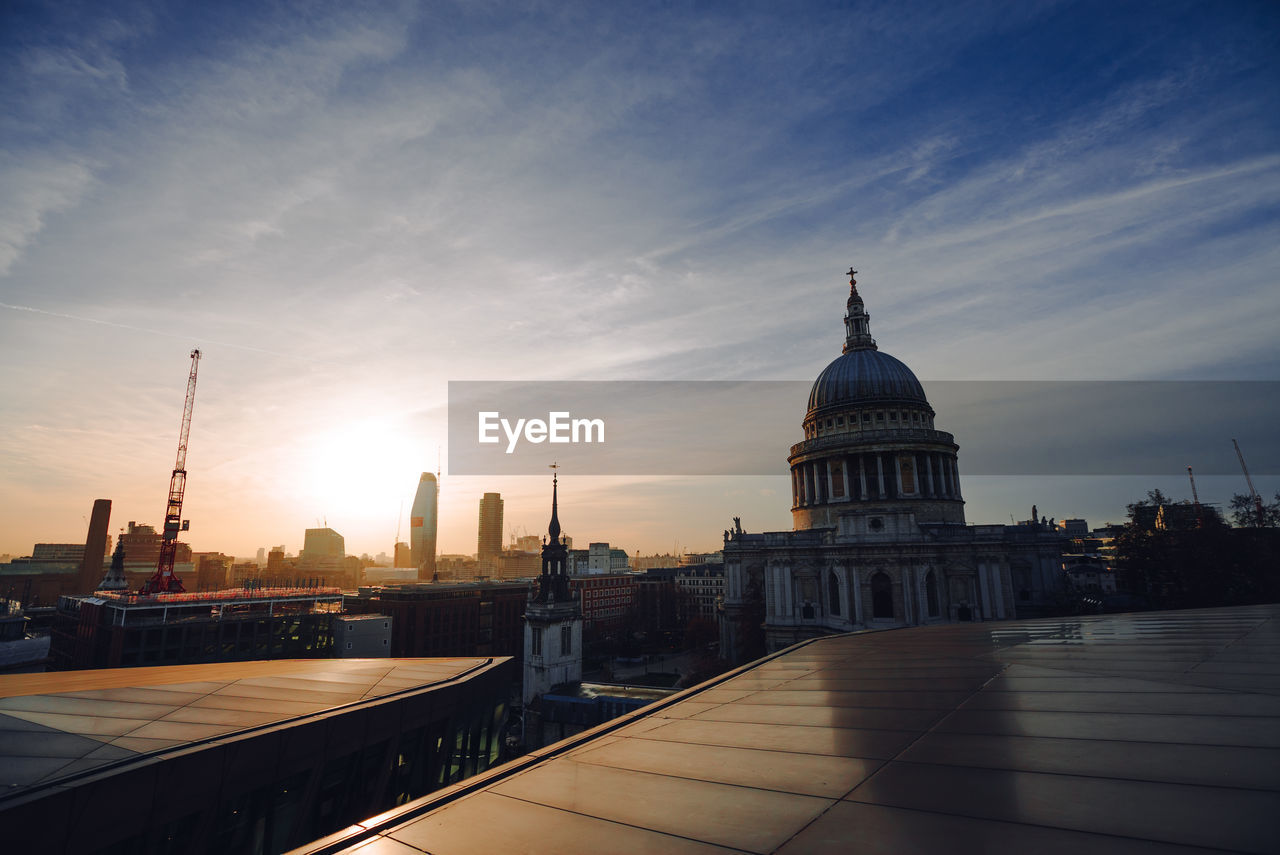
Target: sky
x=346 y=206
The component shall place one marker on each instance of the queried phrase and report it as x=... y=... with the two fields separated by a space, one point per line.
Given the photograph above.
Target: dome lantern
x=857 y=323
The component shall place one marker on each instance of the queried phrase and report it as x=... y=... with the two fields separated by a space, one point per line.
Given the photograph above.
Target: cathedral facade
x=879 y=537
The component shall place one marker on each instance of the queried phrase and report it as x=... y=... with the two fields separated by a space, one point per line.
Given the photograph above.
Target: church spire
x=857 y=323
x=554 y=528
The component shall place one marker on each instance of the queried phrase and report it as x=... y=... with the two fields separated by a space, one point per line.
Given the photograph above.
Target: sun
x=359 y=469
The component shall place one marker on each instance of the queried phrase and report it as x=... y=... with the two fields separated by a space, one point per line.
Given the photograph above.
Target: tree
x=1198 y=566
x=1244 y=512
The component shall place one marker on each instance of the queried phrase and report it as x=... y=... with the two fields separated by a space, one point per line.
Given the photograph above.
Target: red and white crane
x=164 y=581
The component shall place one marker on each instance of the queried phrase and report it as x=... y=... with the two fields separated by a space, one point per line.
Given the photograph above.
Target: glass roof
x=57 y=724
x=1103 y=734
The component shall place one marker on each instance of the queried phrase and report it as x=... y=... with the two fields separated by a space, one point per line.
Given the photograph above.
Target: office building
x=113 y=629
x=489 y=529
x=606 y=600
x=423 y=521
x=449 y=619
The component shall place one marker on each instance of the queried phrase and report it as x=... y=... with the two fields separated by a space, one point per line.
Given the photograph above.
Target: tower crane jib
x=165 y=581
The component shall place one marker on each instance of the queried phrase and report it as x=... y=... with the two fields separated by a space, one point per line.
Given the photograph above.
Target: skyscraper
x=489 y=538
x=422 y=526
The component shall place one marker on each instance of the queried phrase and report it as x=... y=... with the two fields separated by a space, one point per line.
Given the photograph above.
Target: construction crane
x=1257 y=500
x=1195 y=497
x=164 y=581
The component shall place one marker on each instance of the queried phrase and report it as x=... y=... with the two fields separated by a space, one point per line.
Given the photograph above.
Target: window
x=537 y=641
x=931 y=593
x=566 y=640
x=881 y=596
x=348 y=645
x=833 y=593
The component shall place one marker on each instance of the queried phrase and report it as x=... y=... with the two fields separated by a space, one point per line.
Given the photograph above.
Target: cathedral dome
x=865 y=377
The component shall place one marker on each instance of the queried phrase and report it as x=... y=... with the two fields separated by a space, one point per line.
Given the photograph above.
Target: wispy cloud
x=350 y=207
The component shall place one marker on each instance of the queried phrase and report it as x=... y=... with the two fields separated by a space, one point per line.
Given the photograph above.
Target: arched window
x=833 y=593
x=931 y=593
x=881 y=596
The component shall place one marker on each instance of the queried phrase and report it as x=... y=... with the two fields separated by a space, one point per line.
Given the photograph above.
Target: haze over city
x=346 y=208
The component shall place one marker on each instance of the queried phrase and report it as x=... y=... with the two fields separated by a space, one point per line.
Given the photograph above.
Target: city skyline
x=348 y=210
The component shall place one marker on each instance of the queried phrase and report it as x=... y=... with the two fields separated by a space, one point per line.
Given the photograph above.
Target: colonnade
x=873 y=476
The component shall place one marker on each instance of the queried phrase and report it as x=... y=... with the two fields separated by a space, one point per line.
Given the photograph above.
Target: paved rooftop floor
x=1154 y=732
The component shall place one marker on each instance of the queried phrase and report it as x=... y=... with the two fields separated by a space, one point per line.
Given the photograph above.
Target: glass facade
x=274 y=787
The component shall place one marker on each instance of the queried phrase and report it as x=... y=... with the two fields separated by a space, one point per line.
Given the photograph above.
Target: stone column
x=997 y=592
x=907 y=599
x=844 y=473
x=922 y=601
x=862 y=477
x=855 y=582
x=880 y=474
x=928 y=476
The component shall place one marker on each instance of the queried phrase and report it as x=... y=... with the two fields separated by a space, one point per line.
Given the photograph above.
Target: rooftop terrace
x=1155 y=732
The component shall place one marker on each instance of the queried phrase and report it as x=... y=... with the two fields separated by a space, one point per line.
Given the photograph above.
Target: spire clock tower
x=553 y=618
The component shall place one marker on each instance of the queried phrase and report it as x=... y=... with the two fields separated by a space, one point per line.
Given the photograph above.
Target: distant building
x=457 y=567
x=142 y=547
x=213 y=570
x=404 y=556
x=423 y=522
x=703 y=584
x=120 y=629
x=275 y=561
x=489 y=528
x=607 y=599
x=1089 y=574
x=41 y=578
x=1074 y=527
x=514 y=564
x=661 y=609
x=319 y=543
x=324 y=557
x=58 y=552
x=448 y=619
x=641 y=563
x=598 y=558
x=361 y=636
x=553 y=620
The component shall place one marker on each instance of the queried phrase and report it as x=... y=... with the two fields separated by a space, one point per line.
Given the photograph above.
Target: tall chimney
x=95 y=548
